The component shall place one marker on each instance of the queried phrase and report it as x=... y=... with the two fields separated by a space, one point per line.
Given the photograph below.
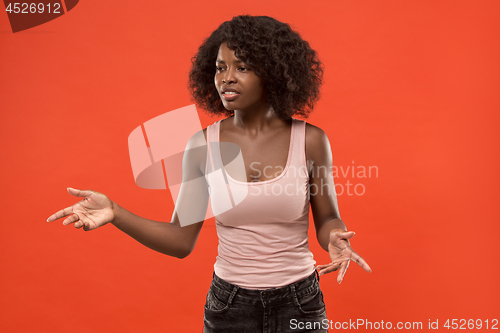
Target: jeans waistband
x=272 y=295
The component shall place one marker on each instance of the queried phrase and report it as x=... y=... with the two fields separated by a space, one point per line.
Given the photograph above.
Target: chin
x=228 y=107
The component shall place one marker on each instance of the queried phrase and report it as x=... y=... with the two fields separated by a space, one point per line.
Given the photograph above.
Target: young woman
x=260 y=73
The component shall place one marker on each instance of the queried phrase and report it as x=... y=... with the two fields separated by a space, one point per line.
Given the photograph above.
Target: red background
x=410 y=87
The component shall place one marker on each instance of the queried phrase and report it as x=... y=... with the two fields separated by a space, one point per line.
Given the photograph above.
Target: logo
x=156 y=150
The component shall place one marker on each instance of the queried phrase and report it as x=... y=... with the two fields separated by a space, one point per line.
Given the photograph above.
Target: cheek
x=260 y=89
x=260 y=84
x=217 y=83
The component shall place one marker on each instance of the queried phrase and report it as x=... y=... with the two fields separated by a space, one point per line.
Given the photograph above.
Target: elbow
x=182 y=252
x=182 y=255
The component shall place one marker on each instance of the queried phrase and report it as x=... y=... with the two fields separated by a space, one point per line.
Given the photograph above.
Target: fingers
x=341 y=239
x=339 y=236
x=71 y=219
x=325 y=269
x=360 y=261
x=75 y=218
x=342 y=271
x=81 y=224
x=79 y=193
x=69 y=210
x=344 y=235
x=78 y=223
x=62 y=213
x=331 y=267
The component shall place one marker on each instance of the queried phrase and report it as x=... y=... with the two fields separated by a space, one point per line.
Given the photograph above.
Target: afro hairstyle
x=289 y=68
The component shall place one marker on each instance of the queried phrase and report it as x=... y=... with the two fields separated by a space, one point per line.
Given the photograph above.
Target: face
x=238 y=86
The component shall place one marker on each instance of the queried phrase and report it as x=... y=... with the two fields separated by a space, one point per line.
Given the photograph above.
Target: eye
x=243 y=69
x=219 y=68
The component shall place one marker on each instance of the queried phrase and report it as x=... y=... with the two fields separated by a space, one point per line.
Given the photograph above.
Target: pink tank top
x=262 y=226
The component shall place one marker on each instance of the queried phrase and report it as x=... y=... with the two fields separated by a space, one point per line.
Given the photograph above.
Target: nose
x=229 y=76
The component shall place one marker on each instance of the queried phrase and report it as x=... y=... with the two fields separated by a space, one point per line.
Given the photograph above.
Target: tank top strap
x=299 y=138
x=213 y=155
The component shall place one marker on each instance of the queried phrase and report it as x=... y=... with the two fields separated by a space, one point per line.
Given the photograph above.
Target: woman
x=259 y=73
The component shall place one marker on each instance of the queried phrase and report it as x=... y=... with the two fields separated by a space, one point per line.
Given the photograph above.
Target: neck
x=257 y=120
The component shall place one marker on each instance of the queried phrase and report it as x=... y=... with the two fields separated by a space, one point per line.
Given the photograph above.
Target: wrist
x=116 y=212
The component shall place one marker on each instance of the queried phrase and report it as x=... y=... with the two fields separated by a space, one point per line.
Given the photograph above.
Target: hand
x=94 y=211
x=341 y=253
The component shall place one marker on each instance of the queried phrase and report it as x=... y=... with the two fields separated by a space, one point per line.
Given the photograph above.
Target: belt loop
x=317 y=274
x=294 y=295
x=233 y=293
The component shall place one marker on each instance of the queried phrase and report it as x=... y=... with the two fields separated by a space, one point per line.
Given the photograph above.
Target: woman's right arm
x=168 y=238
x=175 y=238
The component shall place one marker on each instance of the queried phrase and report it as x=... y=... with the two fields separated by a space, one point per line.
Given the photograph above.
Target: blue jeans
x=298 y=307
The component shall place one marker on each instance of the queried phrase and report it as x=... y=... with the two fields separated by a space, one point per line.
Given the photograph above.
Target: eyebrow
x=223 y=62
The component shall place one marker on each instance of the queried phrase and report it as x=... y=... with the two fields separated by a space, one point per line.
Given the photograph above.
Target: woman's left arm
x=331 y=231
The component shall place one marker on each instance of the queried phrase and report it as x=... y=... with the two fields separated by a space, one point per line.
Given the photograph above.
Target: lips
x=229 y=94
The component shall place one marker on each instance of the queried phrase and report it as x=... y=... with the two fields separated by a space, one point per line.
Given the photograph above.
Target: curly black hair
x=289 y=68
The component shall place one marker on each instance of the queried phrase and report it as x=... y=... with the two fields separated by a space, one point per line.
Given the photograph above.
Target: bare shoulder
x=314 y=133
x=317 y=143
x=195 y=154
x=198 y=139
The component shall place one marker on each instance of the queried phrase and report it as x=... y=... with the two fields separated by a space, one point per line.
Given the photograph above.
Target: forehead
x=225 y=54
